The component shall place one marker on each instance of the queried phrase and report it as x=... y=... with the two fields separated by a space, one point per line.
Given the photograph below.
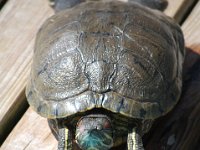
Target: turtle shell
x=122 y=57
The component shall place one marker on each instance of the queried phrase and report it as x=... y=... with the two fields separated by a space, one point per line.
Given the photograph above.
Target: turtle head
x=94 y=132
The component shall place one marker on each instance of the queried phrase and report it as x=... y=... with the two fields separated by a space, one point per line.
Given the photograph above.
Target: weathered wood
x=191 y=29
x=19 y=22
x=32 y=133
x=27 y=43
x=180 y=129
x=178 y=8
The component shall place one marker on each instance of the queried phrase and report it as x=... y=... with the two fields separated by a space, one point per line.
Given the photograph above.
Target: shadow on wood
x=181 y=127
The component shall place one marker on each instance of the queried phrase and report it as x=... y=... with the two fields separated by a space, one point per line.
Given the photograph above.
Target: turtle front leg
x=155 y=4
x=134 y=141
x=59 y=5
x=64 y=139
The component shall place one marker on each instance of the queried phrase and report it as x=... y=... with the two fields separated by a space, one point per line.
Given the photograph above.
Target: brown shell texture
x=122 y=57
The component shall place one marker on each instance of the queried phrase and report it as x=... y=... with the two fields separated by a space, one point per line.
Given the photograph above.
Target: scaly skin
x=64 y=140
x=134 y=141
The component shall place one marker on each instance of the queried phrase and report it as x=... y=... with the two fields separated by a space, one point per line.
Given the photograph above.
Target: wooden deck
x=21 y=128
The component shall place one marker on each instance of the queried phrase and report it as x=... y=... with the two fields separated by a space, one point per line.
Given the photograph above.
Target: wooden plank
x=32 y=133
x=178 y=8
x=19 y=22
x=191 y=29
x=35 y=126
x=180 y=128
x=173 y=7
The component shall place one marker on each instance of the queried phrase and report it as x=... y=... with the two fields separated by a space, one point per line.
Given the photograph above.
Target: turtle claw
x=134 y=141
x=155 y=4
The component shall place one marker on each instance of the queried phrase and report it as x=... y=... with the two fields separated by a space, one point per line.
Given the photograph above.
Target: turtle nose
x=99 y=127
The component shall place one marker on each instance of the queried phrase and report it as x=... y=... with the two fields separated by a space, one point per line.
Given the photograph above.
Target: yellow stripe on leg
x=66 y=138
x=134 y=138
x=134 y=141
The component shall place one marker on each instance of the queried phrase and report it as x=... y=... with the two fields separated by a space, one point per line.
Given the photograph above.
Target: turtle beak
x=134 y=141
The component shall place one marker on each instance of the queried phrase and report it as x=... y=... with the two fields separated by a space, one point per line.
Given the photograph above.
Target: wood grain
x=178 y=8
x=32 y=133
x=19 y=22
x=191 y=29
x=16 y=41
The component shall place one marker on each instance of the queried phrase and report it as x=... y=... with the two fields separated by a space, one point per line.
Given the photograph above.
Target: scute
x=118 y=56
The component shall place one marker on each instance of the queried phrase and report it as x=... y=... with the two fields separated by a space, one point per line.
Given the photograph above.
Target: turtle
x=103 y=71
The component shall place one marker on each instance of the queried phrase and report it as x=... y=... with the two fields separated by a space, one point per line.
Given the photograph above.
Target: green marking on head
x=94 y=132
x=95 y=140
